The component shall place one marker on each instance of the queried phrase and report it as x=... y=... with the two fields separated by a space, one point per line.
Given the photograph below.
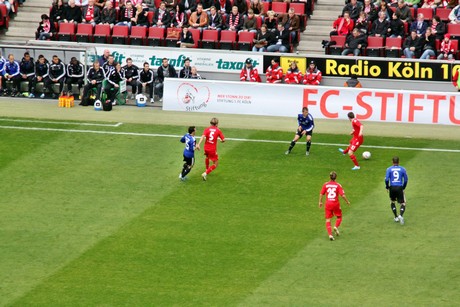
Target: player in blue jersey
x=189 y=152
x=395 y=182
x=306 y=125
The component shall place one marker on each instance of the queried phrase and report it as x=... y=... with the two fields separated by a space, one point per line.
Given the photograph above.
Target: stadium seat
x=393 y=47
x=443 y=13
x=66 y=31
x=337 y=48
x=259 y=21
x=156 y=36
x=245 y=41
x=84 y=33
x=138 y=36
x=453 y=30
x=169 y=41
x=102 y=34
x=280 y=7
x=227 y=39
x=374 y=46
x=5 y=18
x=210 y=39
x=427 y=13
x=299 y=9
x=196 y=33
x=120 y=35
x=150 y=17
x=267 y=6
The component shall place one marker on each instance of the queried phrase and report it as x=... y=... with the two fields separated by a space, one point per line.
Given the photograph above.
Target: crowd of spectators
x=421 y=37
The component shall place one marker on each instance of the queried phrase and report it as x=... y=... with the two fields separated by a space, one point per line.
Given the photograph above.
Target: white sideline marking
x=231 y=139
x=60 y=123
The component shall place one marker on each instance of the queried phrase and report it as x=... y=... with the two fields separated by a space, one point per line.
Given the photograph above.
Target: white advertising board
x=323 y=102
x=204 y=61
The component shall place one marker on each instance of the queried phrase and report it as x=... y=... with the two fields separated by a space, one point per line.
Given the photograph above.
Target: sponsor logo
x=192 y=97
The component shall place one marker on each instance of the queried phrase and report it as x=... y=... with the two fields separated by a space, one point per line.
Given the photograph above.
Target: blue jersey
x=2 y=66
x=12 y=68
x=306 y=123
x=189 y=150
x=396 y=176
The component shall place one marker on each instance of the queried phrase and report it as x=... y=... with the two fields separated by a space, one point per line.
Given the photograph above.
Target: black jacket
x=27 y=67
x=57 y=70
x=185 y=72
x=75 y=71
x=72 y=13
x=160 y=75
x=146 y=76
x=98 y=75
x=41 y=70
x=353 y=42
x=115 y=77
x=130 y=72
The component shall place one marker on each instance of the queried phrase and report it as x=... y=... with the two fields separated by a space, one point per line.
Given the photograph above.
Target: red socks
x=353 y=158
x=329 y=228
x=338 y=222
x=211 y=168
x=206 y=161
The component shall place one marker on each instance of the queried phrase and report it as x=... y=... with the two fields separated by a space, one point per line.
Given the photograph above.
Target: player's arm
x=345 y=198
x=199 y=143
x=182 y=140
x=405 y=178
x=361 y=130
x=222 y=137
x=387 y=179
x=320 y=202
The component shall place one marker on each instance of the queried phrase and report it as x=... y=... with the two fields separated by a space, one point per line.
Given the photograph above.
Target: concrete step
x=38 y=9
x=332 y=14
x=36 y=3
x=30 y=17
x=320 y=22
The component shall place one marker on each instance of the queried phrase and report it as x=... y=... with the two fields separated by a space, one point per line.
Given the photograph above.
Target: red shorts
x=355 y=143
x=211 y=154
x=333 y=210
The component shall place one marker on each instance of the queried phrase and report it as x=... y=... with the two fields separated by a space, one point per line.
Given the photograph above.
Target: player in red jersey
x=356 y=141
x=211 y=134
x=332 y=190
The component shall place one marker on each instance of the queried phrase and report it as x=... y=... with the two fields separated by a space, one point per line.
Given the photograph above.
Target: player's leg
x=329 y=214
x=393 y=203
x=215 y=163
x=296 y=138
x=338 y=221
x=402 y=202
x=189 y=162
x=309 y=134
x=351 y=152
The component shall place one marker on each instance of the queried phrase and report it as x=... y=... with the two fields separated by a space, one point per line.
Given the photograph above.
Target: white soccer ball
x=366 y=155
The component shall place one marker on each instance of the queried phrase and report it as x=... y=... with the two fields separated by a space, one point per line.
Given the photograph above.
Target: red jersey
x=356 y=124
x=332 y=190
x=212 y=133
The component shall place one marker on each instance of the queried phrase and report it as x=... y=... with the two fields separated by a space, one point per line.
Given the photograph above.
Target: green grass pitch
x=103 y=220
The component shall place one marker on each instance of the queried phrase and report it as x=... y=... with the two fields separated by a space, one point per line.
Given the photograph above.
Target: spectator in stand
x=419 y=25
x=447 y=51
x=370 y=10
x=380 y=26
x=150 y=5
x=9 y=7
x=271 y=21
x=178 y=17
x=170 y=4
x=396 y=28
x=95 y=76
x=438 y=28
x=280 y=40
x=108 y=14
x=161 y=17
x=312 y=75
x=343 y=25
x=75 y=75
x=195 y=74
x=57 y=13
x=207 y=5
x=164 y=71
x=413 y=3
x=186 y=70
x=429 y=45
x=274 y=73
x=412 y=45
x=100 y=4
x=242 y=6
x=235 y=20
x=81 y=3
x=127 y=14
x=353 y=82
x=454 y=15
x=385 y=8
x=56 y=74
x=141 y=17
x=27 y=71
x=41 y=73
x=291 y=22
x=250 y=23
x=262 y=38
x=362 y=23
x=91 y=13
x=72 y=13
x=403 y=11
x=249 y=73
x=45 y=28
x=186 y=39
x=428 y=4
x=225 y=8
x=214 y=20
x=198 y=19
x=131 y=73
x=293 y=74
x=354 y=8
x=189 y=6
x=258 y=8
x=354 y=43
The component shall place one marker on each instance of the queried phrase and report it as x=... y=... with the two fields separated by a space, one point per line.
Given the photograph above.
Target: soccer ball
x=366 y=155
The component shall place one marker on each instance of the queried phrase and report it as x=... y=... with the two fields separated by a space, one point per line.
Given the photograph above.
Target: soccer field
x=95 y=215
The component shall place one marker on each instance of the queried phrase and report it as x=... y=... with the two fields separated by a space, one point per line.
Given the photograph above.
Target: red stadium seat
x=299 y=7
x=267 y=7
x=84 y=33
x=280 y=7
x=393 y=47
x=66 y=31
x=156 y=36
x=120 y=35
x=427 y=13
x=5 y=18
x=453 y=29
x=227 y=39
x=169 y=41
x=138 y=35
x=374 y=46
x=150 y=17
x=102 y=34
x=443 y=13
x=210 y=39
x=245 y=40
x=196 y=33
x=337 y=48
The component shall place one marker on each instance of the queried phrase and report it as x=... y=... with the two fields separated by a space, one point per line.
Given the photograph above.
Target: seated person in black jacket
x=112 y=86
x=95 y=77
x=354 y=43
